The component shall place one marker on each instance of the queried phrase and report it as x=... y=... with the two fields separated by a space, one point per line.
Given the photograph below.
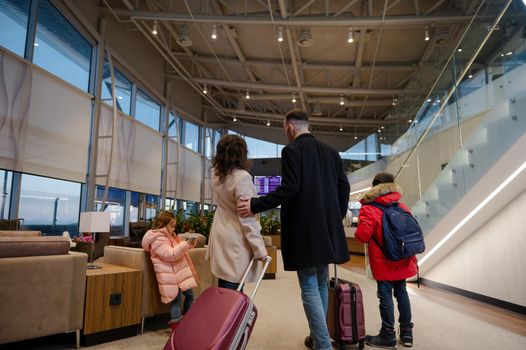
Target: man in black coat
x=313 y=195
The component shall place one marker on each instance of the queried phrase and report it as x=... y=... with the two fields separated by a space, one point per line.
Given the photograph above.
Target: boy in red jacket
x=390 y=275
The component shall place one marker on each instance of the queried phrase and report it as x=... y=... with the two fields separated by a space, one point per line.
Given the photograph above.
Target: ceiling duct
x=305 y=39
x=316 y=110
x=441 y=37
x=184 y=39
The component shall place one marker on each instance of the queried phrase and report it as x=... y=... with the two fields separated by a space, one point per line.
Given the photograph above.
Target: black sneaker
x=406 y=337
x=385 y=339
x=308 y=342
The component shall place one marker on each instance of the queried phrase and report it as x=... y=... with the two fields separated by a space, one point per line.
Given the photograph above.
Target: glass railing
x=470 y=118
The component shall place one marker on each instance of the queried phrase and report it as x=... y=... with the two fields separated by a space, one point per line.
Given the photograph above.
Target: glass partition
x=473 y=114
x=147 y=111
x=6 y=179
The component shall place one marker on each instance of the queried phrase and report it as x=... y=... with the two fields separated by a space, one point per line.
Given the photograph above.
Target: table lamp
x=93 y=222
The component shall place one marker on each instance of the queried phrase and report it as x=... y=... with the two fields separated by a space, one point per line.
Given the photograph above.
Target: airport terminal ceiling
x=349 y=63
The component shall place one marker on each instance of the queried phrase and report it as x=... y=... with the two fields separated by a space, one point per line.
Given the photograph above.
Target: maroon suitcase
x=345 y=316
x=220 y=319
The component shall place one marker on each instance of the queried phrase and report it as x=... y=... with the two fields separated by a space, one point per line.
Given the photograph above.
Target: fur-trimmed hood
x=380 y=190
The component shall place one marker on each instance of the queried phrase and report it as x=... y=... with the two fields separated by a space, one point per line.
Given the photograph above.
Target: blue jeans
x=314 y=294
x=385 y=294
x=176 y=314
x=229 y=285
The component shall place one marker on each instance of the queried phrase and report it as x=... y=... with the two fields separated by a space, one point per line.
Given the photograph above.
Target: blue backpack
x=403 y=237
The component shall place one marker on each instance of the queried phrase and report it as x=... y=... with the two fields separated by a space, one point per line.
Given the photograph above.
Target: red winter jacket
x=370 y=223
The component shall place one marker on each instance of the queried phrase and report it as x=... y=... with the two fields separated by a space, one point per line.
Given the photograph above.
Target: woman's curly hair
x=231 y=153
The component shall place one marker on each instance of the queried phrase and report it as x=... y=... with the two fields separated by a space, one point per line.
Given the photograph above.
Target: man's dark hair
x=297 y=114
x=383 y=178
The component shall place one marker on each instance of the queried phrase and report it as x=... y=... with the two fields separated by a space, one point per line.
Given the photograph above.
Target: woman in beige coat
x=234 y=240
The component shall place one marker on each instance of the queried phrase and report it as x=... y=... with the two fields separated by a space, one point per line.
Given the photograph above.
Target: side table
x=113 y=303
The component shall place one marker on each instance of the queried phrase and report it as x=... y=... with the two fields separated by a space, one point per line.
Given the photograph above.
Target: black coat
x=313 y=195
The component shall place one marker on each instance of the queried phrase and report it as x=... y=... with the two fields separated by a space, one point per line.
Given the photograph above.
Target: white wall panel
x=491 y=261
x=44 y=122
x=190 y=174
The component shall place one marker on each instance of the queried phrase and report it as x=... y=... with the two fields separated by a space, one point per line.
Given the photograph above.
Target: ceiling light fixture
x=341 y=127
x=426 y=38
x=214 y=32
x=509 y=53
x=154 y=30
x=429 y=100
x=280 y=34
x=294 y=98
x=470 y=75
x=234 y=119
x=342 y=102
x=394 y=101
x=247 y=96
x=305 y=39
x=356 y=137
x=268 y=122
x=205 y=90
x=459 y=49
x=350 y=37
x=410 y=121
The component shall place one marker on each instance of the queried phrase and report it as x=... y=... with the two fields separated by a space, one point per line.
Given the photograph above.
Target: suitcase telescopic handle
x=267 y=261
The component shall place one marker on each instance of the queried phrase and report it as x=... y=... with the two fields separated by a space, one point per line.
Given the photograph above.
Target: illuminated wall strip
x=360 y=191
x=473 y=212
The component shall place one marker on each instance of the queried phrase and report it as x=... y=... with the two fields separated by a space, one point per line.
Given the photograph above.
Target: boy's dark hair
x=383 y=178
x=297 y=114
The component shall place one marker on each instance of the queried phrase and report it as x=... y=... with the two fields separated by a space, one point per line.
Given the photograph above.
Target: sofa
x=42 y=287
x=139 y=259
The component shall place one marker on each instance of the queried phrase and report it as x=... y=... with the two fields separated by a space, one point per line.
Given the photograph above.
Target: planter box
x=276 y=241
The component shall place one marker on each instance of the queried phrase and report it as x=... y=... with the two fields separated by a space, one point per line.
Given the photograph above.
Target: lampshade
x=94 y=221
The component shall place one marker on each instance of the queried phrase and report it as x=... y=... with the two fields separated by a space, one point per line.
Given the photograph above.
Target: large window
x=6 y=178
x=49 y=205
x=123 y=88
x=147 y=111
x=150 y=205
x=262 y=149
x=191 y=136
x=134 y=207
x=115 y=206
x=209 y=134
x=13 y=25
x=60 y=48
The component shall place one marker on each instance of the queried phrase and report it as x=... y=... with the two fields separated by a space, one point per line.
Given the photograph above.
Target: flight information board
x=266 y=184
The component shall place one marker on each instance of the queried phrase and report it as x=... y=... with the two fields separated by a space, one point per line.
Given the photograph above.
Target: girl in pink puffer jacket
x=172 y=264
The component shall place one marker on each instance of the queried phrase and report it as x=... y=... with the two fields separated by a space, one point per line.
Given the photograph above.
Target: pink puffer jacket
x=171 y=262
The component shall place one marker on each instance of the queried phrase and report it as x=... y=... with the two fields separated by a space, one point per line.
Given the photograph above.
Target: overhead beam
x=303 y=8
x=344 y=8
x=306 y=89
x=318 y=99
x=385 y=66
x=370 y=22
x=312 y=120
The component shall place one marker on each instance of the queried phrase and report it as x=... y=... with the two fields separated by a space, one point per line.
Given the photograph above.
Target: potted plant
x=271 y=226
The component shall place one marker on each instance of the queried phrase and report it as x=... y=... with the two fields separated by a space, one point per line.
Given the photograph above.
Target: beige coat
x=234 y=240
x=172 y=263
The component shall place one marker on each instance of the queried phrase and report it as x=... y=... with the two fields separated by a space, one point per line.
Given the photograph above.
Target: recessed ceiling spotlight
x=350 y=36
x=214 y=32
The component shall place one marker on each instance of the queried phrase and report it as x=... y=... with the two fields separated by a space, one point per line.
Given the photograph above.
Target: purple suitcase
x=345 y=316
x=220 y=319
